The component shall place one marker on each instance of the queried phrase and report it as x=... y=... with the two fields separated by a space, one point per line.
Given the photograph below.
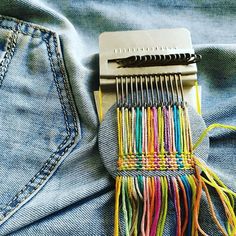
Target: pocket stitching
x=66 y=83
x=11 y=45
x=61 y=150
x=31 y=25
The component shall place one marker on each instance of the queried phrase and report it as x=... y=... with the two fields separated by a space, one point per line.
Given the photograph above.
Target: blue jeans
x=52 y=177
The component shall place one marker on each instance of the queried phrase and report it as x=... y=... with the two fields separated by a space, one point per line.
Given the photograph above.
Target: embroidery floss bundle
x=156 y=163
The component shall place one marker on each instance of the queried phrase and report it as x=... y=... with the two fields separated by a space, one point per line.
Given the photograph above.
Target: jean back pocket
x=38 y=121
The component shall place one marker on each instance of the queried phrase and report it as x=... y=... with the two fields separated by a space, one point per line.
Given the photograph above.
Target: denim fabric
x=52 y=178
x=39 y=124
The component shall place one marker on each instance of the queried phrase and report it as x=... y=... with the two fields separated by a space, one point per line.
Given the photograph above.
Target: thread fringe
x=145 y=203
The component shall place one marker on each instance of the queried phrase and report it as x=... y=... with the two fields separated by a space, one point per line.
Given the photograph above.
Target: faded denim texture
x=52 y=178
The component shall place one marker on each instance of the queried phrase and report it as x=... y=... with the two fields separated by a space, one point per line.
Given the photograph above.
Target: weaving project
x=156 y=162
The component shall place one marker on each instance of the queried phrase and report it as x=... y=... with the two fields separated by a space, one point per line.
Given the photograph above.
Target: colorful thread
x=156 y=138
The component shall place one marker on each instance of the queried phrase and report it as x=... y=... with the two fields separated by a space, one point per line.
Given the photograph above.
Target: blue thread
x=177 y=129
x=189 y=198
x=178 y=132
x=137 y=128
x=140 y=132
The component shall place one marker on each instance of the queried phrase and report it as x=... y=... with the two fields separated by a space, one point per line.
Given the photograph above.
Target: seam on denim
x=22 y=22
x=11 y=45
x=59 y=90
x=55 y=157
x=66 y=83
x=24 y=33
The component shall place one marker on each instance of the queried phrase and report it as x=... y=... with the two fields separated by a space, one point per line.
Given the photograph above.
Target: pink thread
x=157 y=205
x=175 y=203
x=144 y=207
x=148 y=207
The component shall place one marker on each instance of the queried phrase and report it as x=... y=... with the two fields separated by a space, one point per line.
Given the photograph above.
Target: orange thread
x=177 y=207
x=213 y=214
x=152 y=191
x=185 y=206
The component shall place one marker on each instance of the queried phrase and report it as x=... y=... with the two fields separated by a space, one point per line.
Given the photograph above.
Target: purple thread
x=156 y=143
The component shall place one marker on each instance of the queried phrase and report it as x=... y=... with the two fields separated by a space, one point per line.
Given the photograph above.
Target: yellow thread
x=223 y=186
x=117 y=200
x=221 y=191
x=184 y=138
x=118 y=128
x=149 y=128
x=208 y=129
x=194 y=192
x=100 y=104
x=127 y=128
x=234 y=231
x=152 y=133
x=189 y=131
x=118 y=131
x=124 y=131
x=214 y=181
x=198 y=102
x=182 y=131
x=131 y=200
x=210 y=175
x=164 y=207
x=130 y=131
